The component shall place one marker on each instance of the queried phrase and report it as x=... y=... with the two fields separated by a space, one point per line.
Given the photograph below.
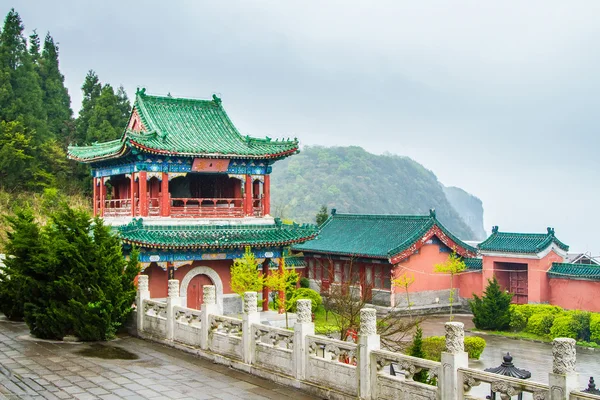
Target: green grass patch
x=323 y=326
x=518 y=335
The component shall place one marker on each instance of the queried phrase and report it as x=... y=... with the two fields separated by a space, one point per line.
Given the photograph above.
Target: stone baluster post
x=563 y=379
x=368 y=340
x=143 y=293
x=303 y=327
x=209 y=307
x=173 y=300
x=453 y=358
x=249 y=317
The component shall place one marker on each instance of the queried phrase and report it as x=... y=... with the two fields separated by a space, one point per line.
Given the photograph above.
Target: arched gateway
x=192 y=283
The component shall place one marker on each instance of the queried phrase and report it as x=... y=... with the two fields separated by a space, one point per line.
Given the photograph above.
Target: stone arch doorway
x=195 y=290
x=209 y=274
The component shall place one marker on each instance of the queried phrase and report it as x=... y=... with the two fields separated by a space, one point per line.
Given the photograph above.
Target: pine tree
x=322 y=215
x=91 y=91
x=17 y=156
x=34 y=47
x=56 y=97
x=416 y=350
x=492 y=311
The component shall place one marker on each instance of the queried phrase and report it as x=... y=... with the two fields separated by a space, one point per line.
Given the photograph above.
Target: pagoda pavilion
x=190 y=192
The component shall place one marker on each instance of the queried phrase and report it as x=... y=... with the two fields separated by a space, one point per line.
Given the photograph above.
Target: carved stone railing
x=577 y=395
x=226 y=325
x=505 y=386
x=273 y=336
x=153 y=308
x=188 y=316
x=333 y=350
x=407 y=366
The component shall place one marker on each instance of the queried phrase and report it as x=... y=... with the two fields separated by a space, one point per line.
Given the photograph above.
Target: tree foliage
x=245 y=274
x=68 y=277
x=452 y=266
x=284 y=281
x=322 y=215
x=492 y=311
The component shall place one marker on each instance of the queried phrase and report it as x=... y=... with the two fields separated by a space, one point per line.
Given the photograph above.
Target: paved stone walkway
x=32 y=369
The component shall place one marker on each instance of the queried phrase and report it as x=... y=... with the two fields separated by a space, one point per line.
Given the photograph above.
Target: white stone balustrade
x=330 y=368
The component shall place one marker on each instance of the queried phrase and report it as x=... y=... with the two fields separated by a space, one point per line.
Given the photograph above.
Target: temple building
x=190 y=192
x=369 y=251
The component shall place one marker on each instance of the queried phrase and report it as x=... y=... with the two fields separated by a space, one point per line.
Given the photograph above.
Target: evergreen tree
x=492 y=311
x=56 y=97
x=416 y=350
x=91 y=91
x=322 y=215
x=24 y=248
x=106 y=120
x=17 y=156
x=34 y=47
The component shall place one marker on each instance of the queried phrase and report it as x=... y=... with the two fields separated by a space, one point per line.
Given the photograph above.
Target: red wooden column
x=132 y=193
x=143 y=185
x=165 y=198
x=102 y=195
x=267 y=195
x=265 y=292
x=248 y=195
x=95 y=197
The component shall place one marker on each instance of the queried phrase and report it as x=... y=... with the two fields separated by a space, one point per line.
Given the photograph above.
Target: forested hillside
x=353 y=180
x=469 y=207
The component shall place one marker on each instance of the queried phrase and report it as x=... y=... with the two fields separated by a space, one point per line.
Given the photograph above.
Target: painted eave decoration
x=184 y=127
x=214 y=237
x=387 y=237
x=522 y=243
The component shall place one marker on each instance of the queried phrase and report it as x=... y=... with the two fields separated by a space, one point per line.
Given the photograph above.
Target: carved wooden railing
x=505 y=386
x=273 y=336
x=257 y=207
x=226 y=326
x=153 y=308
x=207 y=207
x=117 y=207
x=153 y=207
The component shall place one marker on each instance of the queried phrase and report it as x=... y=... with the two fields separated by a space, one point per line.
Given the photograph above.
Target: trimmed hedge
x=518 y=320
x=563 y=326
x=540 y=324
x=433 y=347
x=595 y=327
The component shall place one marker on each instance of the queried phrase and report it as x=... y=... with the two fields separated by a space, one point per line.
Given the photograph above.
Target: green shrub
x=474 y=345
x=595 y=327
x=580 y=324
x=304 y=282
x=305 y=293
x=433 y=347
x=492 y=311
x=518 y=321
x=416 y=350
x=531 y=309
x=540 y=324
x=563 y=326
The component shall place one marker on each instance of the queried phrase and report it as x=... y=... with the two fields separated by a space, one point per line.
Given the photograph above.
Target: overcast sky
x=499 y=98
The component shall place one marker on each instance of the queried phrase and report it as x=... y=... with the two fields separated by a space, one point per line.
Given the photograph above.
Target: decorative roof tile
x=375 y=236
x=206 y=236
x=185 y=127
x=473 y=264
x=525 y=243
x=574 y=271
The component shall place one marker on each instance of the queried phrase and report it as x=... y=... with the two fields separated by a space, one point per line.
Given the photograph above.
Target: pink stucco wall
x=470 y=283
x=575 y=294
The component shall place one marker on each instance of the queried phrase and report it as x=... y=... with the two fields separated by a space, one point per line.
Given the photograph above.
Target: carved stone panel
x=209 y=294
x=563 y=352
x=455 y=337
x=304 y=311
x=368 y=321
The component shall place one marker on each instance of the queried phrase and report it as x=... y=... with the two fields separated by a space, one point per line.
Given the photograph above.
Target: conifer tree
x=492 y=311
x=416 y=350
x=322 y=215
x=56 y=97
x=91 y=91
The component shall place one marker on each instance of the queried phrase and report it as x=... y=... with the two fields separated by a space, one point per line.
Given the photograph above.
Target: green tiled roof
x=185 y=127
x=291 y=262
x=473 y=264
x=528 y=243
x=574 y=271
x=377 y=236
x=194 y=236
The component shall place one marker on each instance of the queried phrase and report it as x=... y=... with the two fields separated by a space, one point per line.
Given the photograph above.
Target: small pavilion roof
x=525 y=243
x=375 y=235
x=575 y=271
x=184 y=127
x=207 y=236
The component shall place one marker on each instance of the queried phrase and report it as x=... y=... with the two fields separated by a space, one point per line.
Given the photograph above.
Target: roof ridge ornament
x=432 y=212
x=550 y=231
x=333 y=211
x=140 y=91
x=494 y=229
x=217 y=100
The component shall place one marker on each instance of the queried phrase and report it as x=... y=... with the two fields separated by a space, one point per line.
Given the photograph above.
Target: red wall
x=575 y=294
x=468 y=283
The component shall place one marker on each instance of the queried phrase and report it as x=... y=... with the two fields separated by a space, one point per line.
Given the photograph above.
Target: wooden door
x=195 y=292
x=518 y=286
